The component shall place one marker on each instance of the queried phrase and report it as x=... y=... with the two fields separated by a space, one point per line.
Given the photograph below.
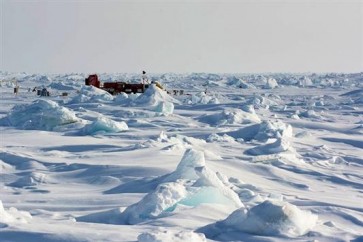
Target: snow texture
x=233 y=157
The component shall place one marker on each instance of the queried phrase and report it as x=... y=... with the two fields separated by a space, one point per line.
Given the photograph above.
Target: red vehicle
x=116 y=87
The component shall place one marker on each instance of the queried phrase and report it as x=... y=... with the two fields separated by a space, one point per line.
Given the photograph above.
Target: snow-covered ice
x=235 y=157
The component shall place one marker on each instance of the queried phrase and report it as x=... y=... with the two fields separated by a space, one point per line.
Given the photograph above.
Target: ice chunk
x=155 y=203
x=271 y=83
x=40 y=115
x=209 y=178
x=104 y=124
x=165 y=108
x=186 y=168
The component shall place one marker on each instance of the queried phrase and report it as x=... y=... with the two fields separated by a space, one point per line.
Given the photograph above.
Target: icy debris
x=40 y=115
x=186 y=141
x=271 y=83
x=155 y=203
x=263 y=131
x=310 y=114
x=162 y=137
x=295 y=116
x=270 y=218
x=248 y=108
x=220 y=138
x=319 y=103
x=258 y=101
x=280 y=145
x=12 y=215
x=169 y=236
x=105 y=125
x=230 y=116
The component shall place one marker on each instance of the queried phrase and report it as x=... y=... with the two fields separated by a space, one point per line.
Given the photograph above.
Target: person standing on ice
x=144 y=78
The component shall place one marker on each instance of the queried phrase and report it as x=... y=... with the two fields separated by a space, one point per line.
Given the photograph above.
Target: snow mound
x=91 y=94
x=271 y=83
x=32 y=179
x=263 y=131
x=280 y=145
x=104 y=125
x=168 y=236
x=231 y=116
x=12 y=215
x=40 y=115
x=153 y=96
x=269 y=218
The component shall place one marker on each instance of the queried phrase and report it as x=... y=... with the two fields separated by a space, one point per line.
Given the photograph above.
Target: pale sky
x=219 y=36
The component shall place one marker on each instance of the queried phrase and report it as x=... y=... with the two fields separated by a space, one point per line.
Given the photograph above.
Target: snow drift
x=270 y=218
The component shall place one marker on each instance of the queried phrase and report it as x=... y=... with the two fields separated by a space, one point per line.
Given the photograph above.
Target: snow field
x=238 y=158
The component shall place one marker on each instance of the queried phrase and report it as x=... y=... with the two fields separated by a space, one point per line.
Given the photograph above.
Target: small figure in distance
x=144 y=78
